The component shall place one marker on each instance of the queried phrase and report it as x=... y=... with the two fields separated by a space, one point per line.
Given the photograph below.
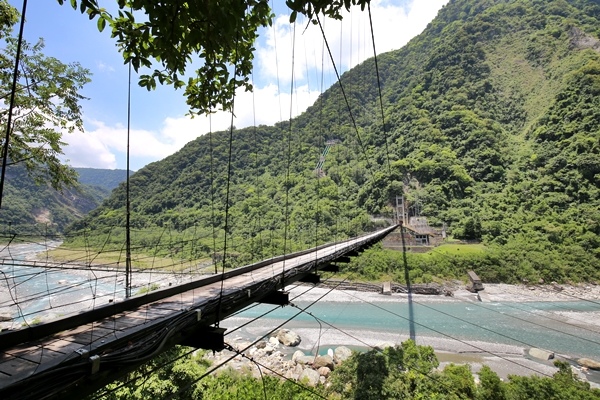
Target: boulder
x=579 y=373
x=241 y=345
x=341 y=353
x=305 y=360
x=298 y=370
x=588 y=363
x=324 y=371
x=261 y=345
x=310 y=377
x=290 y=375
x=323 y=361
x=273 y=342
x=5 y=317
x=541 y=354
x=288 y=338
x=297 y=353
x=259 y=353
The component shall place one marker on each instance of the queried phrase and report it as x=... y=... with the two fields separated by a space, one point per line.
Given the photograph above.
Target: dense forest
x=491 y=126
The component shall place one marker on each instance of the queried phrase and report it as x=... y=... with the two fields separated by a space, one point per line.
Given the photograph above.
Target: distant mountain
x=107 y=179
x=492 y=125
x=37 y=209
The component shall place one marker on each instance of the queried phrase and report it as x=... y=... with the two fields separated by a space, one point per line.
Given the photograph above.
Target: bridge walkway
x=76 y=355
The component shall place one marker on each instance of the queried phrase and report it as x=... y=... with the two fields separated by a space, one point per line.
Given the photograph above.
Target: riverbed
x=460 y=328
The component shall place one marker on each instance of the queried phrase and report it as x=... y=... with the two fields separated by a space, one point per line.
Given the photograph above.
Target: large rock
x=310 y=377
x=323 y=361
x=297 y=353
x=341 y=353
x=304 y=360
x=588 y=363
x=298 y=369
x=5 y=317
x=288 y=338
x=261 y=345
x=324 y=371
x=273 y=342
x=541 y=354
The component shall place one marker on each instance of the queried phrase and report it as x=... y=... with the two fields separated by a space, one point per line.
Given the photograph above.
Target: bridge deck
x=96 y=352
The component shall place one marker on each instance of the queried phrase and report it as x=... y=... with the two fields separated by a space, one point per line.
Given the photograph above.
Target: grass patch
x=116 y=259
x=147 y=289
x=455 y=249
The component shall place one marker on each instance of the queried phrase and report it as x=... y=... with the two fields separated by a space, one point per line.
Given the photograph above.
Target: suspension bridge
x=74 y=356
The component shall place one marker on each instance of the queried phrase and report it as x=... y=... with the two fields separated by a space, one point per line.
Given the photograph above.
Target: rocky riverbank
x=271 y=355
x=502 y=358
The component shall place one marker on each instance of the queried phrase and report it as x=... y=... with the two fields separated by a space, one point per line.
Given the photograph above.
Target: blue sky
x=159 y=123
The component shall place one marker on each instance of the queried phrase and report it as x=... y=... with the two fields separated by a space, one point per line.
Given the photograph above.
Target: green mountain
x=29 y=208
x=105 y=179
x=491 y=126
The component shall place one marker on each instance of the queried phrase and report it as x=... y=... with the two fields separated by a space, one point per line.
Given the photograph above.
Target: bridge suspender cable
x=229 y=157
x=344 y=95
x=128 y=202
x=12 y=102
x=212 y=195
x=387 y=150
x=258 y=224
x=289 y=155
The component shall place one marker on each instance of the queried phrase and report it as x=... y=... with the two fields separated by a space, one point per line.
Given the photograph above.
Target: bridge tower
x=328 y=144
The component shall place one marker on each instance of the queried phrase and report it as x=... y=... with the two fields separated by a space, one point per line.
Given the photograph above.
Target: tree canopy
x=219 y=36
x=46 y=105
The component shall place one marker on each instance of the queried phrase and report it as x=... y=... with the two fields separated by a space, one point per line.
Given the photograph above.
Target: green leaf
x=101 y=24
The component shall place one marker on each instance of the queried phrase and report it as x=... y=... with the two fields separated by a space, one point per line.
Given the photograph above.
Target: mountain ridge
x=491 y=121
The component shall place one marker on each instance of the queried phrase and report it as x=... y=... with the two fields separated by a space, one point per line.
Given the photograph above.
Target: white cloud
x=349 y=40
x=104 y=67
x=102 y=146
x=395 y=24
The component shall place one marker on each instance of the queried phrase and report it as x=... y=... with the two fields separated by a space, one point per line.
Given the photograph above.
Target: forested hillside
x=35 y=208
x=491 y=124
